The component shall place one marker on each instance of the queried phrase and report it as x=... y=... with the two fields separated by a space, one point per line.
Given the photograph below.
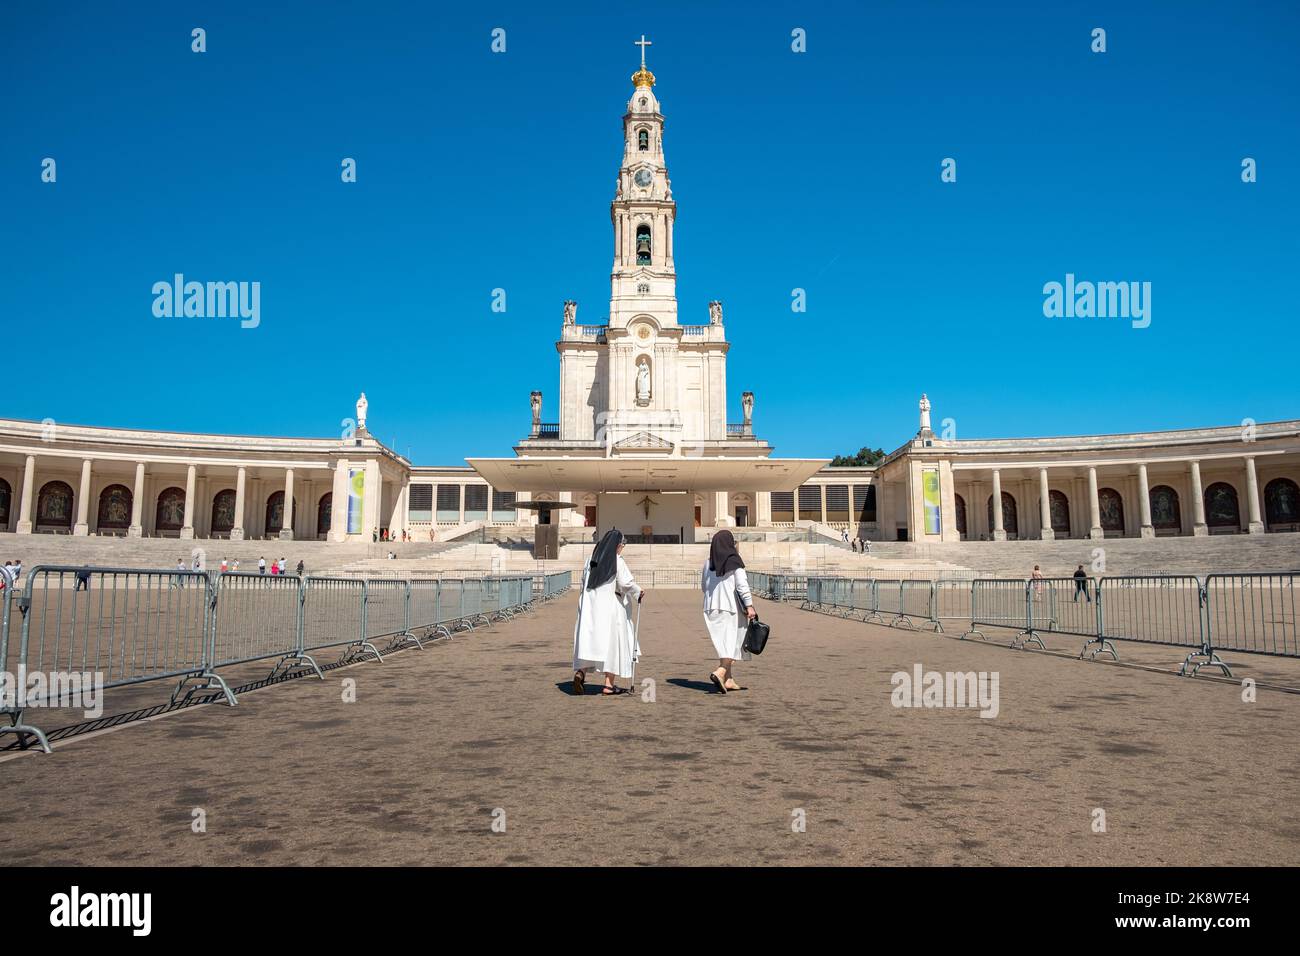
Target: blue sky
x=818 y=171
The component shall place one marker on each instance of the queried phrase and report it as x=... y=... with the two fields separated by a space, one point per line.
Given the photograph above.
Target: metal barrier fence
x=1255 y=613
x=1152 y=609
x=1001 y=602
x=254 y=617
x=124 y=626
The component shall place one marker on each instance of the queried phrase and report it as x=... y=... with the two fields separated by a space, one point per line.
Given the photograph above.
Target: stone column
x=29 y=492
x=1199 y=528
x=1094 y=507
x=823 y=495
x=136 y=529
x=187 y=526
x=286 y=526
x=1256 y=525
x=1045 y=507
x=237 y=532
x=1144 y=503
x=999 y=534
x=82 y=527
x=462 y=502
x=338 y=529
x=721 y=513
x=763 y=503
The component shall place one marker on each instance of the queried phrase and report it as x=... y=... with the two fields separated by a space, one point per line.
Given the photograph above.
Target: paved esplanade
x=411 y=773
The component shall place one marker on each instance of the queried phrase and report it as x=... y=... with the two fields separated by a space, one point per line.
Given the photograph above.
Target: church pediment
x=644 y=440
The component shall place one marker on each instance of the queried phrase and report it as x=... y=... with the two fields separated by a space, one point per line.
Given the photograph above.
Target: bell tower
x=644 y=279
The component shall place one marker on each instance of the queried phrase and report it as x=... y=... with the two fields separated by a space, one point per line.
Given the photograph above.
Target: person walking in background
x=275 y=568
x=301 y=568
x=83 y=580
x=1036 y=580
x=18 y=571
x=603 y=636
x=235 y=566
x=261 y=565
x=726 y=596
x=179 y=580
x=1081 y=584
x=225 y=566
x=7 y=579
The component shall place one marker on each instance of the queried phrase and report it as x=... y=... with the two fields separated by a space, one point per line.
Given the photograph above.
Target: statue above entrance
x=643 y=381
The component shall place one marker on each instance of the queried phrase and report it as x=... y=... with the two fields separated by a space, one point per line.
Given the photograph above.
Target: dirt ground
x=444 y=741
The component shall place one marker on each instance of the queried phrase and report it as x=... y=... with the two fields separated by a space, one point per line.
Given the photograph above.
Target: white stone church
x=643 y=442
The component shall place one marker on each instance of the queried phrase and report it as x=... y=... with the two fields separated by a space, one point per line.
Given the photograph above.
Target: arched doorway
x=1110 y=505
x=6 y=496
x=1165 y=512
x=959 y=505
x=1010 y=521
x=114 y=509
x=275 y=512
x=170 y=512
x=1221 y=507
x=1058 y=507
x=223 y=511
x=1281 y=505
x=323 y=510
x=54 y=506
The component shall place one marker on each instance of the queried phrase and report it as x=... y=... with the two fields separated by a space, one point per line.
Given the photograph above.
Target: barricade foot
x=1103 y=647
x=902 y=620
x=873 y=618
x=974 y=630
x=1211 y=660
x=1025 y=638
x=214 y=682
x=295 y=660
x=23 y=731
x=398 y=641
x=360 y=649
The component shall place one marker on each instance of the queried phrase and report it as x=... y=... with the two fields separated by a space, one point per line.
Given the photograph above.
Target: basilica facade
x=642 y=439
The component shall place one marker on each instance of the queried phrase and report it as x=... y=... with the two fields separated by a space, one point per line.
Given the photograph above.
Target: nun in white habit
x=728 y=607
x=603 y=637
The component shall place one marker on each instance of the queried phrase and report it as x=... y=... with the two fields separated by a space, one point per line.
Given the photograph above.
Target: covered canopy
x=651 y=473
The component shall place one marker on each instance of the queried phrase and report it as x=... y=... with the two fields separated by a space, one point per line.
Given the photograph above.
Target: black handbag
x=756 y=636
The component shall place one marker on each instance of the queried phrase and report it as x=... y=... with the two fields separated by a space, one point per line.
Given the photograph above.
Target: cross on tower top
x=642 y=43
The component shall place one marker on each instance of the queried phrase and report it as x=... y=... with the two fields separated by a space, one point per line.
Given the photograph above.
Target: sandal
x=737 y=687
x=579 y=683
x=722 y=688
x=613 y=691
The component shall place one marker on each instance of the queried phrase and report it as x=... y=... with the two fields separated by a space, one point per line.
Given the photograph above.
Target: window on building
x=837 y=503
x=420 y=503
x=783 y=506
x=643 y=245
x=449 y=502
x=643 y=140
x=810 y=503
x=476 y=502
x=503 y=505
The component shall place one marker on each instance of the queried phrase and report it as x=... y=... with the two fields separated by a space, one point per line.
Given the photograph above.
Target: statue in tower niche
x=362 y=405
x=570 y=311
x=715 y=312
x=643 y=382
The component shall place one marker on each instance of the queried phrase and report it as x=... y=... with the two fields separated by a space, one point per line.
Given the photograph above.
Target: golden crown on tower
x=643 y=78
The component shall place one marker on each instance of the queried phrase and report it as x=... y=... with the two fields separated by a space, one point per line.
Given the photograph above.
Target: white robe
x=724 y=600
x=603 y=637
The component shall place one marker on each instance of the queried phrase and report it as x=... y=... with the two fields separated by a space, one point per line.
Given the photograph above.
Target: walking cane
x=636 y=642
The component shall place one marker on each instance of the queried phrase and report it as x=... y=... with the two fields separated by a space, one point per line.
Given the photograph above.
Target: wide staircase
x=1174 y=555
x=679 y=564
x=319 y=557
